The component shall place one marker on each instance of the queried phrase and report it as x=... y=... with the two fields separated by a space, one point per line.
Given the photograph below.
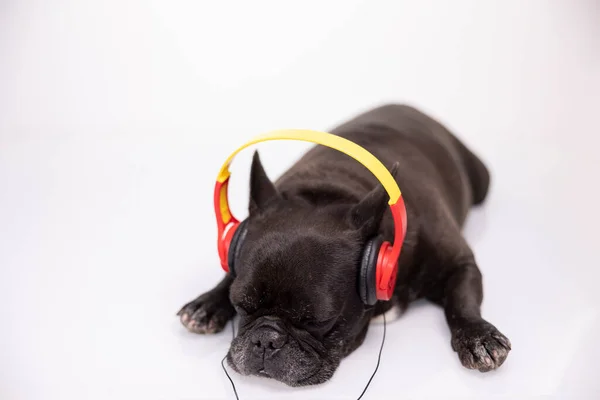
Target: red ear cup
x=225 y=242
x=386 y=273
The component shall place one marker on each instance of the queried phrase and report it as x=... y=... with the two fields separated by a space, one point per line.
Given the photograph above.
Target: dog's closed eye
x=319 y=325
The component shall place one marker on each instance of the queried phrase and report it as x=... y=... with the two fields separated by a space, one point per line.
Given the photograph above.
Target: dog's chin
x=318 y=374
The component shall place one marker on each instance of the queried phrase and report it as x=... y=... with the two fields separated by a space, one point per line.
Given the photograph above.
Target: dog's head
x=296 y=283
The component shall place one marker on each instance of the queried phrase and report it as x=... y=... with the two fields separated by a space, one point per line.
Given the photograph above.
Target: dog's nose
x=268 y=339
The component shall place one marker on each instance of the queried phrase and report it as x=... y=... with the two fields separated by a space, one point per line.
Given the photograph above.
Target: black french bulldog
x=295 y=288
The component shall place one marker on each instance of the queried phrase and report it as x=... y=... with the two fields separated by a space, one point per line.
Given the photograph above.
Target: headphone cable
x=223 y=360
x=359 y=397
x=378 y=359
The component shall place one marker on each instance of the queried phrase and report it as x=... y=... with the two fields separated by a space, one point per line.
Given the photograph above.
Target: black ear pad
x=368 y=270
x=235 y=246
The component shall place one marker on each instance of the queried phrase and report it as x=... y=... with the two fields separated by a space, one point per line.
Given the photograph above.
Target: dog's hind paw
x=390 y=315
x=208 y=313
x=480 y=346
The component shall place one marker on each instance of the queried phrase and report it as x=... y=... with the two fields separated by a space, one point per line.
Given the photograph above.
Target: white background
x=114 y=119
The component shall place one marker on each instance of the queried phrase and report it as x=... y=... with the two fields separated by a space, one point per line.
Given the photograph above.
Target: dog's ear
x=262 y=190
x=367 y=214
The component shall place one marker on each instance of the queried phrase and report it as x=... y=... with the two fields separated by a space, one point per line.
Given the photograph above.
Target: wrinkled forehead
x=307 y=275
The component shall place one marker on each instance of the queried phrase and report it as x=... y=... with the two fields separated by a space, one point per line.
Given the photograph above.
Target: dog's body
x=295 y=288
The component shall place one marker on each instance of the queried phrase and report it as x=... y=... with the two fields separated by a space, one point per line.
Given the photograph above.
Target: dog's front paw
x=208 y=313
x=480 y=346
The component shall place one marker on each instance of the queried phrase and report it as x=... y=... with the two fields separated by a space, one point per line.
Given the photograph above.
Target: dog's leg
x=478 y=343
x=209 y=313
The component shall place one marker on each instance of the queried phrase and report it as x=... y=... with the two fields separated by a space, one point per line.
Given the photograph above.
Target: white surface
x=115 y=115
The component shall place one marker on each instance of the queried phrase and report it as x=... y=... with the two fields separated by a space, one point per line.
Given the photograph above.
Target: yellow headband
x=326 y=139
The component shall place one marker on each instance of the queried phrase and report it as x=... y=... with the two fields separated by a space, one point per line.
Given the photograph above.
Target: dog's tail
x=479 y=175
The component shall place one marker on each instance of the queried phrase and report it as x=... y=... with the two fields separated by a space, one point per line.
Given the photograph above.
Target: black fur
x=296 y=284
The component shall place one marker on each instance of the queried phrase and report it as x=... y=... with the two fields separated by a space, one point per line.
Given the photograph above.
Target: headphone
x=379 y=265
